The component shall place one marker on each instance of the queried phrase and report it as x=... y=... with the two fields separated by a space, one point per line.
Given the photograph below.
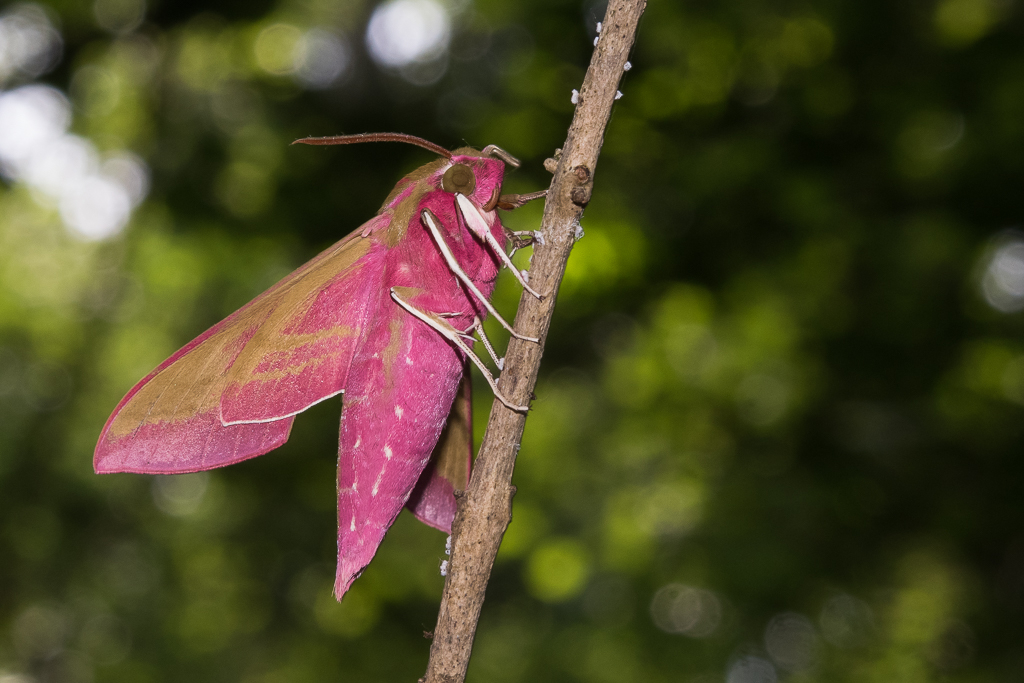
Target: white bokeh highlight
x=1002 y=281
x=407 y=35
x=321 y=59
x=686 y=610
x=29 y=44
x=94 y=196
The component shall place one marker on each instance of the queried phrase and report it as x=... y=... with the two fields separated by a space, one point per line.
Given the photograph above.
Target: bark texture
x=485 y=509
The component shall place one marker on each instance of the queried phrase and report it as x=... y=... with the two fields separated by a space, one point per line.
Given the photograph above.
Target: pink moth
x=384 y=316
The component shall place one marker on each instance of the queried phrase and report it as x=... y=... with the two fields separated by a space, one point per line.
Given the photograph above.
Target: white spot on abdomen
x=408 y=360
x=359 y=440
x=399 y=412
x=387 y=452
x=352 y=524
x=376 y=484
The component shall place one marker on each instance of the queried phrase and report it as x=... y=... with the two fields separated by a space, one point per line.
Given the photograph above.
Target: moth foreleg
x=508 y=202
x=443 y=328
x=431 y=223
x=480 y=227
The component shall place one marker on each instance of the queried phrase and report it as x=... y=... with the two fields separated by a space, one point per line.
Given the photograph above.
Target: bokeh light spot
x=791 y=641
x=119 y=16
x=751 y=669
x=846 y=622
x=1002 y=283
x=670 y=508
x=275 y=48
x=557 y=570
x=686 y=610
x=961 y=22
x=180 y=495
x=41 y=631
x=95 y=207
x=402 y=33
x=762 y=399
x=320 y=58
x=925 y=141
x=30 y=117
x=29 y=44
x=16 y=678
x=95 y=199
x=806 y=41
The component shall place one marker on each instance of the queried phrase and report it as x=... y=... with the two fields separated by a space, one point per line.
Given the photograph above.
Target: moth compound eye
x=459 y=178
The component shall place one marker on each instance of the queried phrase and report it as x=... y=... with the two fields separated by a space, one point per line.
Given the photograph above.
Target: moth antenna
x=376 y=137
x=499 y=153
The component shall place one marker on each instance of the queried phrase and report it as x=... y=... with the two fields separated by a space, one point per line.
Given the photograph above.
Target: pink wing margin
x=433 y=500
x=232 y=393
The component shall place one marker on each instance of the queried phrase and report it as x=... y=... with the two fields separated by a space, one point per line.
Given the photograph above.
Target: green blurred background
x=779 y=426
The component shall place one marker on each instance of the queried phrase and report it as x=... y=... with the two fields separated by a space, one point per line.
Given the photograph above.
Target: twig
x=485 y=509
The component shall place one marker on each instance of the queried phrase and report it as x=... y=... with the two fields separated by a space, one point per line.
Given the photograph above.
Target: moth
x=385 y=317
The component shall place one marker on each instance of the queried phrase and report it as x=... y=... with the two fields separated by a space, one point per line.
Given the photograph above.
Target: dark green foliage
x=780 y=423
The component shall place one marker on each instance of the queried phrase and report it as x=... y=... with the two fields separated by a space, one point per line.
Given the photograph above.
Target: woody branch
x=485 y=509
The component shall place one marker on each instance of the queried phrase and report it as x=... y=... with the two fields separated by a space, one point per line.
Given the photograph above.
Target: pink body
x=331 y=326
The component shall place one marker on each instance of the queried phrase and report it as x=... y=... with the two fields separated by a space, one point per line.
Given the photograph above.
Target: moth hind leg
x=478 y=326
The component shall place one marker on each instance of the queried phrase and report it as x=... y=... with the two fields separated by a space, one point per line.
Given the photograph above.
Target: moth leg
x=478 y=325
x=473 y=216
x=454 y=336
x=523 y=238
x=507 y=202
x=429 y=219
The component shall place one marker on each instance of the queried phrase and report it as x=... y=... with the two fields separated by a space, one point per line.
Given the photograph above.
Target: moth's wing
x=402 y=384
x=433 y=499
x=232 y=392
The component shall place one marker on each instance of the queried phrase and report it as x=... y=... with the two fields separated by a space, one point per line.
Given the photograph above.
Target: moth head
x=475 y=177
